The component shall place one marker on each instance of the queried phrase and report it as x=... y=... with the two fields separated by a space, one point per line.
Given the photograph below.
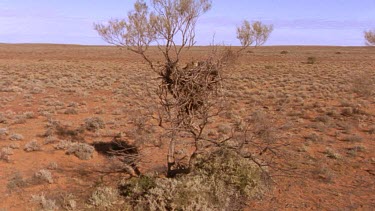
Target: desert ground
x=318 y=101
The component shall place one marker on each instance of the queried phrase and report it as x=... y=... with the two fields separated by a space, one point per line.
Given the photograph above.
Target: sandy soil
x=324 y=114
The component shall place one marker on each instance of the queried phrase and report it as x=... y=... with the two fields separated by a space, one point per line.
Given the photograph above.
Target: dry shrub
x=329 y=152
x=52 y=166
x=4 y=132
x=313 y=137
x=123 y=155
x=104 y=197
x=19 y=119
x=371 y=130
x=29 y=115
x=46 y=204
x=5 y=154
x=64 y=131
x=311 y=60
x=43 y=176
x=284 y=52
x=16 y=182
x=71 y=111
x=33 y=146
x=94 y=124
x=14 y=146
x=68 y=202
x=16 y=137
x=3 y=119
x=51 y=140
x=219 y=180
x=353 y=138
x=62 y=145
x=81 y=150
x=364 y=84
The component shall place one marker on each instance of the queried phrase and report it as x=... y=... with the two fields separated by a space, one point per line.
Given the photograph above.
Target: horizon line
x=104 y=45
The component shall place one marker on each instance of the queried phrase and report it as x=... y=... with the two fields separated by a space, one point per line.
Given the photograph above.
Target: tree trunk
x=170 y=157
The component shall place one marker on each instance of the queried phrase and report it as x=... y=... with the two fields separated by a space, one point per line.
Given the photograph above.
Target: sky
x=296 y=22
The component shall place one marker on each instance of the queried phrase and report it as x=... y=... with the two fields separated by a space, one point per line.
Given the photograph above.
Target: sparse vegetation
x=32 y=146
x=353 y=138
x=321 y=123
x=364 y=84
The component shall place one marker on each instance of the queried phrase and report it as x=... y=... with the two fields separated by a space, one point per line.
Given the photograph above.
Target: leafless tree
x=370 y=37
x=189 y=94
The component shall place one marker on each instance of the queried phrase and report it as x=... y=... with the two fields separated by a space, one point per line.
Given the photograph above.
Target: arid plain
x=318 y=101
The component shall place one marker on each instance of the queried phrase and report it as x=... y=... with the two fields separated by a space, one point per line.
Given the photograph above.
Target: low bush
x=14 y=146
x=16 y=182
x=5 y=154
x=3 y=119
x=284 y=52
x=64 y=131
x=81 y=150
x=3 y=133
x=311 y=60
x=33 y=146
x=44 y=176
x=16 y=137
x=46 y=204
x=218 y=181
x=94 y=124
x=364 y=84
x=104 y=197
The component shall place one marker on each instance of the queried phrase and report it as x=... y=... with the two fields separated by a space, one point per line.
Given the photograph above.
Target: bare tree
x=370 y=37
x=189 y=95
x=255 y=33
x=170 y=25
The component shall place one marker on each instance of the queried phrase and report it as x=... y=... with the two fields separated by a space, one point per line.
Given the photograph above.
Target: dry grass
x=62 y=96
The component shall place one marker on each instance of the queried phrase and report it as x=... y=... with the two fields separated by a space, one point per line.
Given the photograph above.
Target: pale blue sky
x=296 y=22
